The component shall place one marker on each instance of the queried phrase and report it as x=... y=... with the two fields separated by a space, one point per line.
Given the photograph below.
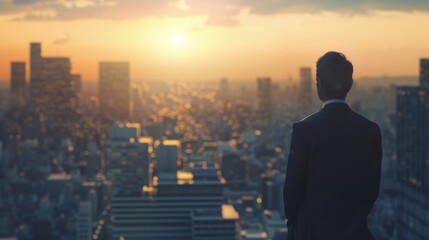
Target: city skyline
x=131 y=119
x=194 y=41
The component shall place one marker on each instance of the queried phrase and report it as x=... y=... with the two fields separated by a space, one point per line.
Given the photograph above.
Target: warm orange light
x=177 y=40
x=228 y=212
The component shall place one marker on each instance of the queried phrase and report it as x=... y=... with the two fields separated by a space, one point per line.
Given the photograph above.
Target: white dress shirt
x=335 y=100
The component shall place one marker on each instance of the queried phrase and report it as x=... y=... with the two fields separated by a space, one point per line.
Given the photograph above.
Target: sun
x=177 y=40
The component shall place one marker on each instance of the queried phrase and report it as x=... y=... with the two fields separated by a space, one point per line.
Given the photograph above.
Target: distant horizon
x=398 y=80
x=186 y=39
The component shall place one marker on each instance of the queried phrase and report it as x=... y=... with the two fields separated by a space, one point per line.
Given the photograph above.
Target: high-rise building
x=424 y=72
x=114 y=90
x=53 y=92
x=3 y=165
x=37 y=82
x=76 y=91
x=189 y=206
x=128 y=156
x=235 y=169
x=6 y=220
x=413 y=159
x=305 y=89
x=125 y=131
x=223 y=91
x=58 y=78
x=263 y=98
x=168 y=154
x=84 y=220
x=273 y=193
x=137 y=107
x=18 y=85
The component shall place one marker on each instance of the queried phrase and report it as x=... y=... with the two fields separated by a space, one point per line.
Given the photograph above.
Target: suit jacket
x=333 y=175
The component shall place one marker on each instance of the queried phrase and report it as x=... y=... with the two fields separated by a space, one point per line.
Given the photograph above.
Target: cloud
x=218 y=12
x=61 y=41
x=347 y=6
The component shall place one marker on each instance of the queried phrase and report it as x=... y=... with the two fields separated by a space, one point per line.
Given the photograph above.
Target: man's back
x=333 y=174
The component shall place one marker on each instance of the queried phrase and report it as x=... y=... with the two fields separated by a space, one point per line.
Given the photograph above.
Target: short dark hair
x=335 y=73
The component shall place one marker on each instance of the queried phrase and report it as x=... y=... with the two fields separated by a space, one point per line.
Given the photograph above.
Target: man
x=333 y=173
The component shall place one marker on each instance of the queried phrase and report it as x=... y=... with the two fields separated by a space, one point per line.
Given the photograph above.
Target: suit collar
x=334 y=100
x=335 y=105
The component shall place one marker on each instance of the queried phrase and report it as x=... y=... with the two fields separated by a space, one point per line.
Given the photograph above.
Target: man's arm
x=374 y=171
x=296 y=175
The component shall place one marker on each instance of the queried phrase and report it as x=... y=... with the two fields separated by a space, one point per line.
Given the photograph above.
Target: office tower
x=84 y=220
x=6 y=220
x=125 y=131
x=189 y=206
x=128 y=156
x=137 y=108
x=114 y=90
x=235 y=169
x=424 y=72
x=37 y=82
x=76 y=91
x=17 y=85
x=305 y=89
x=59 y=97
x=413 y=154
x=53 y=93
x=263 y=98
x=275 y=225
x=273 y=192
x=3 y=164
x=168 y=154
x=223 y=91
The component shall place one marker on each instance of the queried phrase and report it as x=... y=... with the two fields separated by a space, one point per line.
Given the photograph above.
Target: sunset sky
x=202 y=39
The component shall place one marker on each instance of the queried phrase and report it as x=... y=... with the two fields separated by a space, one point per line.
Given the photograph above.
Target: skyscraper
x=223 y=92
x=128 y=156
x=76 y=91
x=188 y=205
x=413 y=159
x=305 y=90
x=53 y=92
x=424 y=72
x=36 y=78
x=137 y=106
x=263 y=98
x=18 y=85
x=114 y=90
x=168 y=154
x=83 y=221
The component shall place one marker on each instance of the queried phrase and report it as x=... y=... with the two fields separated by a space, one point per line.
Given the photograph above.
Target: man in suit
x=333 y=172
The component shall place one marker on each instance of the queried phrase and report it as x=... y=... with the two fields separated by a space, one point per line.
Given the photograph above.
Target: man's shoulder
x=308 y=120
x=365 y=121
x=317 y=117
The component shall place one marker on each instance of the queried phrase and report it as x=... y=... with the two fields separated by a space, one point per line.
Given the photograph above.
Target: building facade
x=18 y=85
x=114 y=90
x=424 y=72
x=263 y=97
x=305 y=87
x=53 y=95
x=413 y=160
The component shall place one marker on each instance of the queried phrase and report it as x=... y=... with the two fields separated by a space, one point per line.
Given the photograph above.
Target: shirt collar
x=335 y=100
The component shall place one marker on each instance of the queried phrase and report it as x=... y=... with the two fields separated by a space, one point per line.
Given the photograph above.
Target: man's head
x=334 y=76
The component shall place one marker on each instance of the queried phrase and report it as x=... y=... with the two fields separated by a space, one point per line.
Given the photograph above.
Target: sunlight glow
x=177 y=40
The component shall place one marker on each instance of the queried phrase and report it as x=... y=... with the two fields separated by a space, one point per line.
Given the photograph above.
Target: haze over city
x=173 y=119
x=200 y=40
